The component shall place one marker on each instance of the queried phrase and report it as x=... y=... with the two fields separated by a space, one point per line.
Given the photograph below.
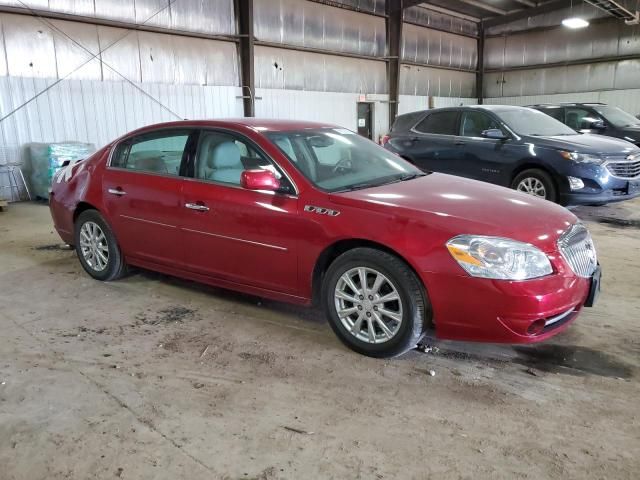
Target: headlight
x=498 y=258
x=581 y=157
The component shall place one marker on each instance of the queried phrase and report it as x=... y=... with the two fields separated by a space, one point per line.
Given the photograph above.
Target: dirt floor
x=154 y=377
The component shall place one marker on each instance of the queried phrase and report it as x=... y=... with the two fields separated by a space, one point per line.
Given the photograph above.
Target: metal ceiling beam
x=548 y=7
x=527 y=3
x=446 y=11
x=409 y=3
x=485 y=6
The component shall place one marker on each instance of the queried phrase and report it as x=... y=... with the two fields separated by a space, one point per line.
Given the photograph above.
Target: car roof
x=258 y=124
x=566 y=104
x=490 y=108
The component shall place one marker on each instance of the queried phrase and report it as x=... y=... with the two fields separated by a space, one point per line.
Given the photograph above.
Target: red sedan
x=311 y=213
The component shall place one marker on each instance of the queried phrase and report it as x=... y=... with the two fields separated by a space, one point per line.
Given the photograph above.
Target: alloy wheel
x=94 y=247
x=532 y=186
x=368 y=305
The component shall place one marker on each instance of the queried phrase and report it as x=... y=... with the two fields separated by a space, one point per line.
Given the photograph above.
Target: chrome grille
x=576 y=247
x=626 y=168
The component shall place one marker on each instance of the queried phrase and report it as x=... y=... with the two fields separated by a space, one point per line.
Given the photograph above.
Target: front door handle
x=459 y=142
x=197 y=206
x=117 y=191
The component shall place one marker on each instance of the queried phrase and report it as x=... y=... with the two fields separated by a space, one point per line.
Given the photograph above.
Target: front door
x=365 y=119
x=238 y=235
x=142 y=191
x=486 y=159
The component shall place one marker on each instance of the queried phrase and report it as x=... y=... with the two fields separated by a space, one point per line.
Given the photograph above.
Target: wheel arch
x=531 y=164
x=81 y=207
x=333 y=251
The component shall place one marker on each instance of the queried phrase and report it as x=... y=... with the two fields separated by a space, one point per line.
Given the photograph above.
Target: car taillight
x=385 y=139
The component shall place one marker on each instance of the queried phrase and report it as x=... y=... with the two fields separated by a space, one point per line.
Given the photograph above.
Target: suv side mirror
x=597 y=125
x=259 y=180
x=495 y=134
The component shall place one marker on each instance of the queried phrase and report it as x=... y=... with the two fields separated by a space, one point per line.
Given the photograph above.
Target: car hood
x=632 y=133
x=456 y=206
x=585 y=143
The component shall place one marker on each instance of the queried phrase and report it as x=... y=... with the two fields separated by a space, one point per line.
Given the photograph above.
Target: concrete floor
x=154 y=377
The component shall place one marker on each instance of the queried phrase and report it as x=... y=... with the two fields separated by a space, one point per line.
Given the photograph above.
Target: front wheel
x=97 y=247
x=536 y=182
x=375 y=303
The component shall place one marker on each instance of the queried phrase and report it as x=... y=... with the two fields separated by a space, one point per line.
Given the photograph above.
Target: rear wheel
x=97 y=247
x=375 y=303
x=536 y=182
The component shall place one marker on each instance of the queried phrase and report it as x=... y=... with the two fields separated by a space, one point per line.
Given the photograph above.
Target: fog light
x=536 y=327
x=575 y=183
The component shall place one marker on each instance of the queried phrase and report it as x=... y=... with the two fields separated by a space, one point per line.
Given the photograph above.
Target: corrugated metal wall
x=628 y=100
x=413 y=103
x=199 y=77
x=560 y=60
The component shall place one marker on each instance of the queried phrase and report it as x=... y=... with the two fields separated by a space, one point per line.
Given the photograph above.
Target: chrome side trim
x=557 y=318
x=266 y=245
x=147 y=221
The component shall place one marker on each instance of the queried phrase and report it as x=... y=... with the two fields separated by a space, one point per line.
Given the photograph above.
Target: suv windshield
x=336 y=159
x=616 y=116
x=527 y=121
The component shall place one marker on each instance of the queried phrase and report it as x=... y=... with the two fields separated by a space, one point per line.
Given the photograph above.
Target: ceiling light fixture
x=575 y=22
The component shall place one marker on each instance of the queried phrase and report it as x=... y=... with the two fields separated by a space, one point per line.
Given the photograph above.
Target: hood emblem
x=321 y=210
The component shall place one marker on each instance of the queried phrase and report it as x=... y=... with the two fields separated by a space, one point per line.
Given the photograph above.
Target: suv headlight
x=499 y=258
x=581 y=157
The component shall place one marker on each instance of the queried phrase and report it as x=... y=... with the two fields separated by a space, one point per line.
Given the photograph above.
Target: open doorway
x=365 y=119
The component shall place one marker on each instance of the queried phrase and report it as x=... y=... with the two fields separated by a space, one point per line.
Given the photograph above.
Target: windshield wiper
x=411 y=176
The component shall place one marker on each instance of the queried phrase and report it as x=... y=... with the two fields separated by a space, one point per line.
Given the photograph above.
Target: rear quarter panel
x=73 y=185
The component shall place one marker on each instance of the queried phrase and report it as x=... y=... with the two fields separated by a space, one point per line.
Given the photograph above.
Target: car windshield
x=616 y=116
x=336 y=159
x=527 y=121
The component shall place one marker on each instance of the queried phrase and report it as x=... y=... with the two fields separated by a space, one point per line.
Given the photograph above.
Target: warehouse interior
x=157 y=377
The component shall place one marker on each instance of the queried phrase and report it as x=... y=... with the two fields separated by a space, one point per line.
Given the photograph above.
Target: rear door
x=485 y=159
x=142 y=191
x=238 y=235
x=434 y=144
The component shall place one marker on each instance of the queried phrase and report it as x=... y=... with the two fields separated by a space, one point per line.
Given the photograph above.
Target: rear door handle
x=117 y=191
x=197 y=206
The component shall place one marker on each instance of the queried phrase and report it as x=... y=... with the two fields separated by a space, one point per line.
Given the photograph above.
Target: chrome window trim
x=115 y=145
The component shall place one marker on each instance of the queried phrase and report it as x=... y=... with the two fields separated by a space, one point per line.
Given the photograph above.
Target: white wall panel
x=628 y=100
x=413 y=103
x=99 y=111
x=331 y=107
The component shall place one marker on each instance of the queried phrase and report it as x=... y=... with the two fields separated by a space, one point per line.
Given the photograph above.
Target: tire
x=97 y=235
x=526 y=181
x=411 y=306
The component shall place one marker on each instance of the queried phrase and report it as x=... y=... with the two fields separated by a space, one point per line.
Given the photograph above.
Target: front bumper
x=600 y=186
x=475 y=309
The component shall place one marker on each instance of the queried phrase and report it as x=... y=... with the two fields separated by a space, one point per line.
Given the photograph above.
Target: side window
x=158 y=152
x=474 y=123
x=441 y=123
x=580 y=118
x=222 y=158
x=555 y=112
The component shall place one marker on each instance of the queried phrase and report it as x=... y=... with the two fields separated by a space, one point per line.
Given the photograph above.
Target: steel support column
x=244 y=15
x=480 y=71
x=394 y=46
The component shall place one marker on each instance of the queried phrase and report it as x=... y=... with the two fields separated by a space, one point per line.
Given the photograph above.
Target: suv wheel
x=375 y=303
x=97 y=247
x=537 y=183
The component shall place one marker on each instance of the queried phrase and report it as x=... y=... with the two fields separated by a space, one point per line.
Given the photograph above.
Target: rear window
x=406 y=121
x=440 y=123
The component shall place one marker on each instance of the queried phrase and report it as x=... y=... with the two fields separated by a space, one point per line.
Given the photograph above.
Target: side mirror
x=597 y=125
x=259 y=180
x=495 y=134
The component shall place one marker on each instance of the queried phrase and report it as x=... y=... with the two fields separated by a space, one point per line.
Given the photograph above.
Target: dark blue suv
x=521 y=148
